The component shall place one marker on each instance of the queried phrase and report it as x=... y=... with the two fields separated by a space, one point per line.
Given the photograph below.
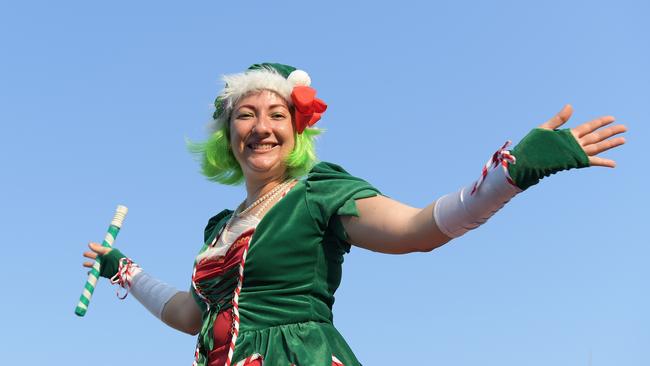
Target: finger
x=559 y=119
x=592 y=125
x=598 y=161
x=598 y=136
x=88 y=264
x=99 y=249
x=596 y=149
x=91 y=255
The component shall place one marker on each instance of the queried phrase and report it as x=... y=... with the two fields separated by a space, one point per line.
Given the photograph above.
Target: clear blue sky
x=96 y=101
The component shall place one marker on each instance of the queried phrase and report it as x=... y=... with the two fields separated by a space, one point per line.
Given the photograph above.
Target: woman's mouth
x=261 y=147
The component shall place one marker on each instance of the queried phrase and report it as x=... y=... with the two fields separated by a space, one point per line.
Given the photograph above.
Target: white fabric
x=228 y=237
x=457 y=213
x=240 y=84
x=151 y=292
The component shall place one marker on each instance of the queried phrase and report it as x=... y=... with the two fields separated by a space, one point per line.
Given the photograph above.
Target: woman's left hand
x=96 y=250
x=590 y=136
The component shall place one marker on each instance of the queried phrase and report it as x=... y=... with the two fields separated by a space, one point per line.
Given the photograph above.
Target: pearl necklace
x=268 y=197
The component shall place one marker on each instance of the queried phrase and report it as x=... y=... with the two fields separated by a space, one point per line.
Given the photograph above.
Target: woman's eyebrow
x=250 y=106
x=278 y=105
x=246 y=106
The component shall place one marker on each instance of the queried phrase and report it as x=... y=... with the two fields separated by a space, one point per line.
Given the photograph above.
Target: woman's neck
x=256 y=189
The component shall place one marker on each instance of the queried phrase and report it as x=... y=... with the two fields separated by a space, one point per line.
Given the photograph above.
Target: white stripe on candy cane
x=109 y=239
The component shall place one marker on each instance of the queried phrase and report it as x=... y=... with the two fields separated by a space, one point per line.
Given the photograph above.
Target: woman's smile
x=261 y=147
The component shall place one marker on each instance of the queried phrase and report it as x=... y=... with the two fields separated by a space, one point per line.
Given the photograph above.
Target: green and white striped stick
x=93 y=275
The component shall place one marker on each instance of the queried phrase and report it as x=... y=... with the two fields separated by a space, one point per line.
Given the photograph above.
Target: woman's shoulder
x=330 y=189
x=326 y=170
x=326 y=174
x=332 y=178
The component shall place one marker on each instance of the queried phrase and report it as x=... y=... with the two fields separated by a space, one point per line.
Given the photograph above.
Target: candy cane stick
x=93 y=275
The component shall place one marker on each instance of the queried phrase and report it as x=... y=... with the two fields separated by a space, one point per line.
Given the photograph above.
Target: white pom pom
x=299 y=77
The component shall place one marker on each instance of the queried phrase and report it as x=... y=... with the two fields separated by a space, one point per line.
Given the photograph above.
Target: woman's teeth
x=262 y=146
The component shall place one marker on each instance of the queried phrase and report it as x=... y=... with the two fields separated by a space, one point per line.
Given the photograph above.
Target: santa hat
x=287 y=81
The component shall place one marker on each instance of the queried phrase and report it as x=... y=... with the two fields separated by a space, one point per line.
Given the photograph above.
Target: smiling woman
x=264 y=279
x=218 y=161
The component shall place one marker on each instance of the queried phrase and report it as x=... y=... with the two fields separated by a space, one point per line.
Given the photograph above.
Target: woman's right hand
x=109 y=259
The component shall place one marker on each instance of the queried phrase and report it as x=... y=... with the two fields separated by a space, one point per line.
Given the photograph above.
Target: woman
x=263 y=283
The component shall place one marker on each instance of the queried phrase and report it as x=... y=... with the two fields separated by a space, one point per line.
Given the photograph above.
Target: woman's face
x=261 y=135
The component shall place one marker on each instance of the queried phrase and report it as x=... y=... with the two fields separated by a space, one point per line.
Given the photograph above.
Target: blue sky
x=96 y=101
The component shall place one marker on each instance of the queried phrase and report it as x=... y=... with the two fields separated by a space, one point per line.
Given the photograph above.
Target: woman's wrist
x=543 y=152
x=110 y=263
x=457 y=213
x=539 y=154
x=149 y=291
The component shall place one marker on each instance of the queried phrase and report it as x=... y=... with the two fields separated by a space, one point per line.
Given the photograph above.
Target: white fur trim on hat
x=238 y=85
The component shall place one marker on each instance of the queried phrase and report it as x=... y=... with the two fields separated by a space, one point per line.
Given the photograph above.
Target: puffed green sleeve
x=332 y=192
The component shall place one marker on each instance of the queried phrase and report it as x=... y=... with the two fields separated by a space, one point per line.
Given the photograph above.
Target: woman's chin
x=265 y=166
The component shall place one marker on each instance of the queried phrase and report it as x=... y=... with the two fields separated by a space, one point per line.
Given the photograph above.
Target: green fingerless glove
x=544 y=152
x=109 y=263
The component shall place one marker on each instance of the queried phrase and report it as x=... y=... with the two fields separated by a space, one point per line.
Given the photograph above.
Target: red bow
x=308 y=108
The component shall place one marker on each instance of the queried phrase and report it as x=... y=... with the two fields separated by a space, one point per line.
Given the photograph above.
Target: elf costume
x=266 y=287
x=273 y=290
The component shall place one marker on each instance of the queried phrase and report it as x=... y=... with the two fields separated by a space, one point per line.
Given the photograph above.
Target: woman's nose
x=262 y=124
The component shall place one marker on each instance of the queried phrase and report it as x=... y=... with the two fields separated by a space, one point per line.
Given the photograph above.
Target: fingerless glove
x=544 y=152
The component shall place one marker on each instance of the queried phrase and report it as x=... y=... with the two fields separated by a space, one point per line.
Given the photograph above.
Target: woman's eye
x=244 y=115
x=277 y=116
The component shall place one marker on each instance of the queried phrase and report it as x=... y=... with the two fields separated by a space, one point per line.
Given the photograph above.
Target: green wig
x=218 y=163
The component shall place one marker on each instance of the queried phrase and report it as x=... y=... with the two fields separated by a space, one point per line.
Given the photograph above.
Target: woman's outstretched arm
x=388 y=226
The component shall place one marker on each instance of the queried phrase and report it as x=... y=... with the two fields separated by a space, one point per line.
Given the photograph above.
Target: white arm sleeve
x=457 y=213
x=151 y=292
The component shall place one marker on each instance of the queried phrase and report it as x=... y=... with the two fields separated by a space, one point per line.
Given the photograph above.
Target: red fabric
x=308 y=108
x=211 y=267
x=223 y=324
x=221 y=331
x=218 y=356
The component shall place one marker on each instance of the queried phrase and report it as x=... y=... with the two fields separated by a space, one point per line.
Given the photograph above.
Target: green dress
x=270 y=296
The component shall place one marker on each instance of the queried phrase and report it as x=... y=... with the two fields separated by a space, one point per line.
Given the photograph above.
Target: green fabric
x=303 y=343
x=283 y=70
x=292 y=270
x=109 y=263
x=544 y=152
